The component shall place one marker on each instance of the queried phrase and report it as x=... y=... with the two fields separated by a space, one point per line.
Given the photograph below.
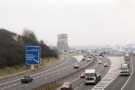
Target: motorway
x=112 y=80
x=100 y=69
x=109 y=74
x=64 y=71
x=59 y=71
x=125 y=82
x=112 y=74
x=78 y=83
x=14 y=78
x=13 y=82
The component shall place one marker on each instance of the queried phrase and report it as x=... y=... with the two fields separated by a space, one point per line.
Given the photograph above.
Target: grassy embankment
x=23 y=69
x=50 y=86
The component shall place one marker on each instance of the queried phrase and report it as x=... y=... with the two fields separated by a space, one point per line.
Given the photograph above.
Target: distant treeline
x=12 y=47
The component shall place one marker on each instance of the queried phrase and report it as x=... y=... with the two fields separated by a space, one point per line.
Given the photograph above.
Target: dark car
x=83 y=59
x=26 y=79
x=76 y=66
x=106 y=65
x=66 y=86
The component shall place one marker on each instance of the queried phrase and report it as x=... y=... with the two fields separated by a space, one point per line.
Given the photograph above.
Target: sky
x=87 y=22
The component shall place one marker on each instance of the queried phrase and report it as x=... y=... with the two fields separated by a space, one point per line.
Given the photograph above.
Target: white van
x=91 y=77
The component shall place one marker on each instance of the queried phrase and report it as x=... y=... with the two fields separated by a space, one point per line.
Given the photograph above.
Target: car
x=99 y=62
x=106 y=65
x=127 y=57
x=88 y=59
x=66 y=86
x=83 y=59
x=82 y=75
x=26 y=79
x=76 y=66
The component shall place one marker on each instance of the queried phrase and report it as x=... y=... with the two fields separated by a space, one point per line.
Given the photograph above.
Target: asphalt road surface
x=54 y=73
x=61 y=62
x=106 y=72
x=125 y=82
x=13 y=82
x=78 y=83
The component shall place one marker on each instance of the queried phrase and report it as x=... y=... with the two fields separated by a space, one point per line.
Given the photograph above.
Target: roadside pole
x=32 y=58
x=32 y=55
x=32 y=67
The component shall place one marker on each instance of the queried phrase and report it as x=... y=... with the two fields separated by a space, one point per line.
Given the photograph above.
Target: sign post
x=32 y=67
x=32 y=55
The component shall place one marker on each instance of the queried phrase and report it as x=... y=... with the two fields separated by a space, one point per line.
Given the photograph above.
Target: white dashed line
x=129 y=76
x=111 y=75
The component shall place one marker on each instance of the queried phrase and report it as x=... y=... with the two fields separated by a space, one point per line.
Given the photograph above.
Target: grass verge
x=49 y=86
x=24 y=69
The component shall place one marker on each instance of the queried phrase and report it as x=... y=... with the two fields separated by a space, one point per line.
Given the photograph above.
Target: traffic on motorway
x=67 y=44
x=83 y=71
x=91 y=78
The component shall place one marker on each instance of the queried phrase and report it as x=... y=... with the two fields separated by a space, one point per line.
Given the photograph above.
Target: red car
x=82 y=75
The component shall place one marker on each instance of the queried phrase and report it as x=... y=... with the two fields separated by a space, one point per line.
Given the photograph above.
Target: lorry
x=91 y=77
x=124 y=70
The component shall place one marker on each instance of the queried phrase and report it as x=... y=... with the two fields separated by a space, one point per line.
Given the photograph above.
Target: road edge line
x=122 y=88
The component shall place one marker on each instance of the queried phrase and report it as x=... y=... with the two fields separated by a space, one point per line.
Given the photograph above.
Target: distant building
x=62 y=43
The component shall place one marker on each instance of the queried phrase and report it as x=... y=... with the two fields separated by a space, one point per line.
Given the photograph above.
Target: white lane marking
x=34 y=75
x=77 y=88
x=12 y=85
x=74 y=80
x=8 y=86
x=3 y=82
x=111 y=75
x=41 y=75
x=37 y=74
x=132 y=70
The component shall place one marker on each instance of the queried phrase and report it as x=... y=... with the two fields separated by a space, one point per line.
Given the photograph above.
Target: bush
x=11 y=52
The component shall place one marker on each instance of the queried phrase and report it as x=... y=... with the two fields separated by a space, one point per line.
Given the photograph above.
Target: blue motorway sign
x=32 y=54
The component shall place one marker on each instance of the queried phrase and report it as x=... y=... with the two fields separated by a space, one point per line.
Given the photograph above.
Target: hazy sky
x=88 y=22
